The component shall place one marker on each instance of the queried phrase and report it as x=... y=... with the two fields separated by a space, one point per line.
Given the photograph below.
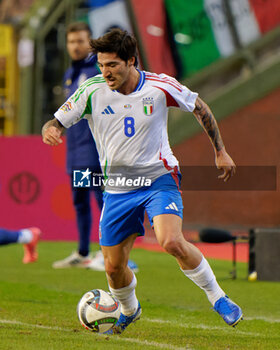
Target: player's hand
x=223 y=161
x=52 y=136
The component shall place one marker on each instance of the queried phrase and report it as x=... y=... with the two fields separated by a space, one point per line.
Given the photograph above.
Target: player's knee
x=172 y=246
x=113 y=269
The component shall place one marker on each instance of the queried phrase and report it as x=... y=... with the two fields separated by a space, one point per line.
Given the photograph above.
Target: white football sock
x=204 y=277
x=127 y=297
x=25 y=236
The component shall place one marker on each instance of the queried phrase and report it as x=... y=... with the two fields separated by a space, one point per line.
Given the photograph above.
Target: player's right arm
x=70 y=113
x=52 y=131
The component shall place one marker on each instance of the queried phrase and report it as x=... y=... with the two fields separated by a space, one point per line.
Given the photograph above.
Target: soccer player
x=127 y=111
x=29 y=237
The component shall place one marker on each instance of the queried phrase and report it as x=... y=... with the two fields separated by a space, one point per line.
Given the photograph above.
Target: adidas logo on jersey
x=108 y=110
x=172 y=206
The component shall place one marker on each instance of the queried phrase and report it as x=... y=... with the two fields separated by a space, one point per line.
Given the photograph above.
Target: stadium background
x=227 y=50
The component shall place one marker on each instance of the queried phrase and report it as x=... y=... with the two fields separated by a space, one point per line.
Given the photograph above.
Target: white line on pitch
x=263 y=318
x=201 y=326
x=155 y=344
x=34 y=325
x=129 y=340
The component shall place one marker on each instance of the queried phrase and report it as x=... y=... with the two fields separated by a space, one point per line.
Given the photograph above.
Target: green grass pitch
x=38 y=306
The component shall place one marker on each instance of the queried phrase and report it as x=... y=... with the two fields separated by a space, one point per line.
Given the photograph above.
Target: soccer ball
x=98 y=310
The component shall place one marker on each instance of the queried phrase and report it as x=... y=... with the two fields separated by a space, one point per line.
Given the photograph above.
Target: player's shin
x=204 y=277
x=127 y=297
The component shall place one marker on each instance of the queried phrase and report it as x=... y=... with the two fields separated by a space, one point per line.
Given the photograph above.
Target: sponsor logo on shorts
x=172 y=206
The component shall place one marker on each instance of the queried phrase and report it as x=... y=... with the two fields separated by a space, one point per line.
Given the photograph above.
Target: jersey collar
x=140 y=83
x=141 y=80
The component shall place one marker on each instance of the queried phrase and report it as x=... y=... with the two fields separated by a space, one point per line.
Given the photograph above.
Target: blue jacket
x=81 y=149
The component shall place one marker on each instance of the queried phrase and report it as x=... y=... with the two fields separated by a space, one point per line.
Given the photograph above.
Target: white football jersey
x=130 y=131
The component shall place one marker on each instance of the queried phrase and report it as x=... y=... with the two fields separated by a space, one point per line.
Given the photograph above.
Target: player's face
x=115 y=70
x=78 y=45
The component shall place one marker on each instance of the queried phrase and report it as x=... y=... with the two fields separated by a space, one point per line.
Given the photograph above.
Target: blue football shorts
x=123 y=213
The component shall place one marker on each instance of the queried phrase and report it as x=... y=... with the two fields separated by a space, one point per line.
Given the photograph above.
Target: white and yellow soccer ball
x=98 y=311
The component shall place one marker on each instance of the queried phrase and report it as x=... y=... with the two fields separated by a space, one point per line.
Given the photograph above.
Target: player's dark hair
x=118 y=41
x=78 y=27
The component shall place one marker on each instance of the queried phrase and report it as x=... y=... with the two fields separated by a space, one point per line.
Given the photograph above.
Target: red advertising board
x=35 y=189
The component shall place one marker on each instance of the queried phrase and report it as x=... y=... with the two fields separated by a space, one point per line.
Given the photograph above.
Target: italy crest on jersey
x=148 y=104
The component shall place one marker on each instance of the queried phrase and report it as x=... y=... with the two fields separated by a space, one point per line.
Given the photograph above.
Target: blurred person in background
x=81 y=149
x=29 y=237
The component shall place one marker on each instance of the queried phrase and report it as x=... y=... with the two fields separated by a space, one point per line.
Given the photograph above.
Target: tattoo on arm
x=206 y=118
x=53 y=122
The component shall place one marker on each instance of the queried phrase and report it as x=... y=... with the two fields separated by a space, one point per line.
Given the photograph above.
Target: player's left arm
x=206 y=118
